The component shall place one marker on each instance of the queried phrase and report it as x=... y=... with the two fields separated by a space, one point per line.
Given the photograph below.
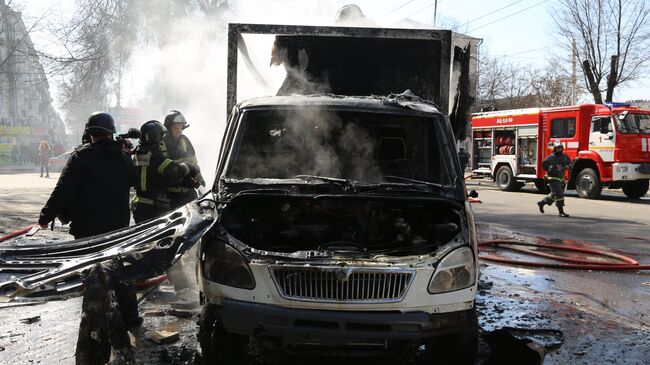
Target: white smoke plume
x=186 y=68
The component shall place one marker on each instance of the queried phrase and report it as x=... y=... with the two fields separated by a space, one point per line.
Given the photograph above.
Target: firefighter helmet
x=557 y=144
x=151 y=132
x=173 y=117
x=100 y=122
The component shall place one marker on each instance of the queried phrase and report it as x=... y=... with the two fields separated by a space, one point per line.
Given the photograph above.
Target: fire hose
x=621 y=262
x=15 y=234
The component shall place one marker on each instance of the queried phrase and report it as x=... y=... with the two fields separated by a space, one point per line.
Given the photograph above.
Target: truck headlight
x=621 y=168
x=223 y=264
x=454 y=272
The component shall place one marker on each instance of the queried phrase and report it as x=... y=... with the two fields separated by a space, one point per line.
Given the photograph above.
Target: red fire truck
x=609 y=146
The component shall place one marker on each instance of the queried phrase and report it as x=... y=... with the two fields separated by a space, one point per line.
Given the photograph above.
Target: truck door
x=602 y=138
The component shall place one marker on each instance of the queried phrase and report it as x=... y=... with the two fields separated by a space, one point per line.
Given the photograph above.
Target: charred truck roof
x=437 y=65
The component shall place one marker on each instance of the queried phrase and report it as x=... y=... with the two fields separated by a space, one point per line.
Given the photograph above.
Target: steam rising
x=184 y=66
x=306 y=141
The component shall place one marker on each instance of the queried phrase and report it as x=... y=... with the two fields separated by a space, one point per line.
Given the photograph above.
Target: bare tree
x=507 y=85
x=612 y=37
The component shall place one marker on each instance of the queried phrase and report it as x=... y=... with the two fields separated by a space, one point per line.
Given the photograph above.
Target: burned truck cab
x=342 y=228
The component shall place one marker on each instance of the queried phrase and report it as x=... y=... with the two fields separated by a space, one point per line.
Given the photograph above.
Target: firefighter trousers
x=557 y=193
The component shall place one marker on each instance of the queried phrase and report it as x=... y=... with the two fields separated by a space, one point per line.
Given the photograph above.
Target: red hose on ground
x=623 y=263
x=143 y=284
x=15 y=234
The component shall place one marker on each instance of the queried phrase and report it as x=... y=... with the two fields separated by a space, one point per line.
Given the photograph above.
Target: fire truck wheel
x=588 y=184
x=541 y=186
x=505 y=180
x=635 y=189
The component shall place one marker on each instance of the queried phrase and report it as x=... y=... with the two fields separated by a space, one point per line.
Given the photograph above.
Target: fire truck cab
x=608 y=144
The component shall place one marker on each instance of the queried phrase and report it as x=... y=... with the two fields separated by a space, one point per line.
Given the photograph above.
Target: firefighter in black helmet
x=93 y=189
x=556 y=164
x=93 y=195
x=156 y=172
x=180 y=149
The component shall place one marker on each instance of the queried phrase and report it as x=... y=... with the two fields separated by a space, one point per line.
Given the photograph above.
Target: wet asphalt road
x=604 y=316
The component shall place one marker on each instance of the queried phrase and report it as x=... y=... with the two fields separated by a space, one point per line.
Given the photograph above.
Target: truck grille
x=348 y=285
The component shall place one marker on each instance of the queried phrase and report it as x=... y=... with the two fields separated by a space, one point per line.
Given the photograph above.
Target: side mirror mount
x=473 y=194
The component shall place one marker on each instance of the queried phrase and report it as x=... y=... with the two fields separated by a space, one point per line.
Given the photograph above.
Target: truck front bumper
x=630 y=171
x=337 y=328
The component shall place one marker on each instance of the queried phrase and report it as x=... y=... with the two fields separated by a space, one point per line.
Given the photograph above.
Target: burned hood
x=296 y=226
x=139 y=252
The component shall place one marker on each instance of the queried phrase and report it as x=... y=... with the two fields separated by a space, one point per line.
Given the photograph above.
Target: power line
x=508 y=16
x=424 y=8
x=488 y=14
x=396 y=9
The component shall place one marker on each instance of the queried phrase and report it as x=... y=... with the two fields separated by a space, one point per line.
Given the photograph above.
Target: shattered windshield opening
x=634 y=123
x=362 y=147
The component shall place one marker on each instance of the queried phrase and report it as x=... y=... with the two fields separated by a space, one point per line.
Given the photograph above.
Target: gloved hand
x=190 y=182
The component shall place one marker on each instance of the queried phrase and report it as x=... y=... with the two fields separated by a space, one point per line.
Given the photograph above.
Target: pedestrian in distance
x=463 y=158
x=93 y=195
x=555 y=165
x=44 y=155
x=180 y=149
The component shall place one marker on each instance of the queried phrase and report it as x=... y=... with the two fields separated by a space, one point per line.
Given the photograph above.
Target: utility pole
x=574 y=86
x=435 y=12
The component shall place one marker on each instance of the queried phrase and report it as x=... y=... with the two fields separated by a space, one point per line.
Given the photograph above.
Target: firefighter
x=156 y=173
x=93 y=195
x=180 y=149
x=93 y=189
x=555 y=166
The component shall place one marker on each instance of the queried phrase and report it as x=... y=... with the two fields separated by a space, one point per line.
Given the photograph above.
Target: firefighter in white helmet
x=555 y=165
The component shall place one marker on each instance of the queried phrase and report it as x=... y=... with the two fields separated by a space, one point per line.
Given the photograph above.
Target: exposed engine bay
x=391 y=225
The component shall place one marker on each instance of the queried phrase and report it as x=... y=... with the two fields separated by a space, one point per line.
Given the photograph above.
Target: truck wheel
x=506 y=180
x=217 y=345
x=541 y=186
x=457 y=349
x=635 y=189
x=588 y=184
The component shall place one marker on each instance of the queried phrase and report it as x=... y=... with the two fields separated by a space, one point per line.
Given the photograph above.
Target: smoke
x=180 y=63
x=307 y=141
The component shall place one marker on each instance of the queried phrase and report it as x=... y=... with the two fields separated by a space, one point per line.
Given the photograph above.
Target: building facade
x=26 y=112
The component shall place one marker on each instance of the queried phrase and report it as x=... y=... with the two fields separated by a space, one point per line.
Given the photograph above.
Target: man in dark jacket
x=180 y=149
x=555 y=166
x=93 y=194
x=93 y=189
x=156 y=173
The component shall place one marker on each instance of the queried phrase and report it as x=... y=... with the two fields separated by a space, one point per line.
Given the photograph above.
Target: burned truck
x=342 y=222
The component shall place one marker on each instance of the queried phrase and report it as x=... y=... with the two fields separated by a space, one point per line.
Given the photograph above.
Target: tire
x=505 y=179
x=219 y=347
x=541 y=186
x=456 y=349
x=635 y=189
x=588 y=184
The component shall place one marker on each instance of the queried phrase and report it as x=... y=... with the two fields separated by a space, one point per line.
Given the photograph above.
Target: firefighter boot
x=541 y=205
x=560 y=209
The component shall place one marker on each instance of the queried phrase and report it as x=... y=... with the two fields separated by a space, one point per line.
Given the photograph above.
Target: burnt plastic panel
x=360 y=65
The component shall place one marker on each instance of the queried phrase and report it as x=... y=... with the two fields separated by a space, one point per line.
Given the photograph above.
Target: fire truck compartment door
x=602 y=143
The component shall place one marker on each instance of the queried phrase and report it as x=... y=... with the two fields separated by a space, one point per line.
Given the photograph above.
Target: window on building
x=563 y=128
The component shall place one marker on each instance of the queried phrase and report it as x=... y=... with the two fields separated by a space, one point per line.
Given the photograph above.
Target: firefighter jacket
x=181 y=150
x=93 y=190
x=155 y=173
x=555 y=166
